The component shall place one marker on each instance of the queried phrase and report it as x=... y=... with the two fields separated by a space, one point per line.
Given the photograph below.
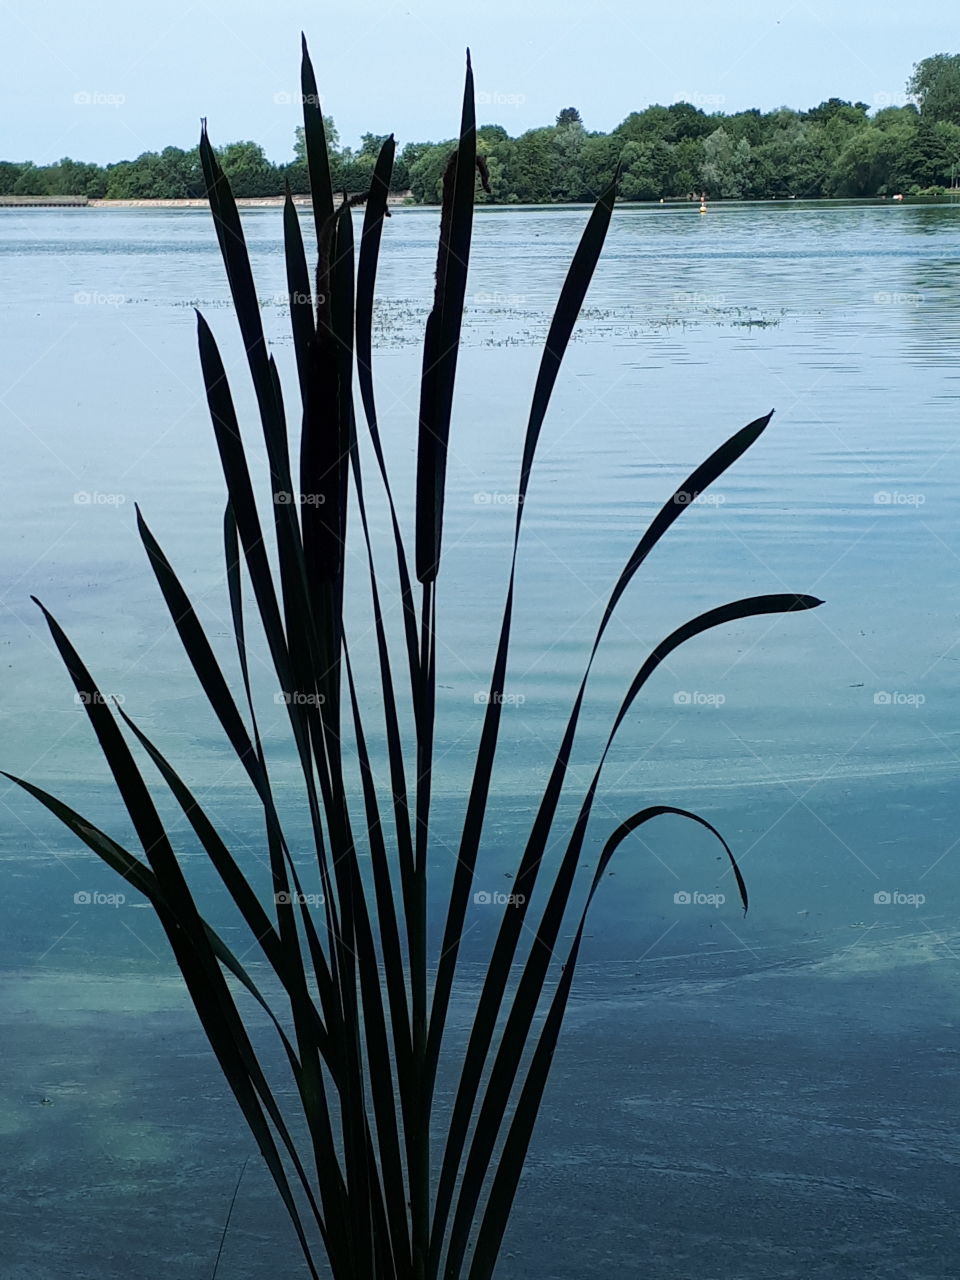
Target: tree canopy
x=836 y=148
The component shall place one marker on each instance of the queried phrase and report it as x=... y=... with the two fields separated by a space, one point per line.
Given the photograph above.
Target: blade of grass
x=514 y=1039
x=298 y=291
x=442 y=337
x=185 y=929
x=315 y=141
x=494 y=987
x=565 y=316
x=510 y=1165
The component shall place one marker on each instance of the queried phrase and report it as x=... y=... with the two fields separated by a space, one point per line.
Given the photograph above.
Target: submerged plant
x=372 y=1174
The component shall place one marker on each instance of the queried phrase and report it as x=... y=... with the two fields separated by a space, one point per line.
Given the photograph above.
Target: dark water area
x=734 y=1098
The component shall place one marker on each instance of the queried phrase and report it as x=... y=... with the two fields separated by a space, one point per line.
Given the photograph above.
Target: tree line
x=836 y=149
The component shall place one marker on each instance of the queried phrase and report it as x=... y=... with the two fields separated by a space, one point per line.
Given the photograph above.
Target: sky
x=108 y=80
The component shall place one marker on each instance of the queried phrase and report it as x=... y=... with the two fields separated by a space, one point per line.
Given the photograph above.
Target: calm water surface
x=734 y=1098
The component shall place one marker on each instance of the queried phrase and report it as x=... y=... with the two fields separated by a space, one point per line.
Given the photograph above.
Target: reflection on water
x=798 y=1064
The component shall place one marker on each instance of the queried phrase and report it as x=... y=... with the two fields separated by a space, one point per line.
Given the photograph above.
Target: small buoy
x=703 y=207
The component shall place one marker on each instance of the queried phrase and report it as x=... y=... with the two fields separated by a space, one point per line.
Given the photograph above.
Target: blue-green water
x=772 y=1096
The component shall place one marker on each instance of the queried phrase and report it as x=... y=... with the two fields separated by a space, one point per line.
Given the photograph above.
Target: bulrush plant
x=378 y=1180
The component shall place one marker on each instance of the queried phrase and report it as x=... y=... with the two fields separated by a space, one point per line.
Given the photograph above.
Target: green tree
x=32 y=181
x=794 y=159
x=10 y=174
x=569 y=115
x=300 y=143
x=249 y=170
x=935 y=83
x=686 y=159
x=407 y=157
x=530 y=167
x=74 y=178
x=140 y=179
x=725 y=170
x=687 y=121
x=371 y=143
x=601 y=151
x=426 y=173
x=865 y=164
x=853 y=113
x=929 y=161
x=569 y=178
x=297 y=174
x=646 y=170
x=654 y=122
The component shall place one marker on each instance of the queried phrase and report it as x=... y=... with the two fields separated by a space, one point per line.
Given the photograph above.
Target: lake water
x=734 y=1098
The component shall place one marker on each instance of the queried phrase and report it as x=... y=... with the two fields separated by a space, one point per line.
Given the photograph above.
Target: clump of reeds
x=365 y=998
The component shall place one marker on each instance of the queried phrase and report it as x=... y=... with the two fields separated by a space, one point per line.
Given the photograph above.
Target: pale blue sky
x=106 y=80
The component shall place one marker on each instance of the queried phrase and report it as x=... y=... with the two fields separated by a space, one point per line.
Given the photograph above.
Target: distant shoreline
x=81 y=202
x=404 y=200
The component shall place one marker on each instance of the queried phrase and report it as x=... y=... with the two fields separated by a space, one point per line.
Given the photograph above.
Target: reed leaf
x=441 y=341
